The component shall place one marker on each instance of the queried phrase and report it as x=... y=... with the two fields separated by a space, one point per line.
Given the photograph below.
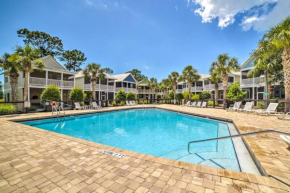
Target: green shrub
x=261 y=105
x=210 y=103
x=179 y=96
x=235 y=92
x=76 y=94
x=114 y=103
x=195 y=97
x=186 y=95
x=88 y=95
x=121 y=95
x=7 y=108
x=131 y=96
x=170 y=95
x=52 y=93
x=122 y=103
x=205 y=95
x=159 y=96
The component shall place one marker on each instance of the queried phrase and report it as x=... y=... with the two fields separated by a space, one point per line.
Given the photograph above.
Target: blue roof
x=129 y=78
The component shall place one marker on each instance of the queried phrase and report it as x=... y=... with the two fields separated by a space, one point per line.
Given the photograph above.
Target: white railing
x=145 y=91
x=179 y=90
x=67 y=83
x=37 y=81
x=197 y=89
x=87 y=86
x=42 y=82
x=111 y=88
x=54 y=82
x=253 y=81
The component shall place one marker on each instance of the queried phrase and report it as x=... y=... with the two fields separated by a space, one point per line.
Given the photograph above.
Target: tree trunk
x=94 y=89
x=174 y=93
x=189 y=89
x=286 y=70
x=225 y=87
x=14 y=85
x=25 y=95
x=216 y=91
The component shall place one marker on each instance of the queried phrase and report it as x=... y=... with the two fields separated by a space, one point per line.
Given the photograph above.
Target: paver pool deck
x=36 y=160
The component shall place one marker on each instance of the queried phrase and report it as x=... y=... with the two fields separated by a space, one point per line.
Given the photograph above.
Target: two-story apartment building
x=107 y=88
x=52 y=74
x=255 y=85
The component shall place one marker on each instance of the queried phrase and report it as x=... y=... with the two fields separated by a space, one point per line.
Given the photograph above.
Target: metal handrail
x=239 y=135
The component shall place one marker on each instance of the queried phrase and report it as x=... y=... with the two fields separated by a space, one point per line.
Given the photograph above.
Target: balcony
x=145 y=91
x=134 y=90
x=257 y=81
x=100 y=87
x=45 y=82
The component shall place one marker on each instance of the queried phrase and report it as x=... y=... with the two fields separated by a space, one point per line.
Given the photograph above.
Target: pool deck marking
x=201 y=176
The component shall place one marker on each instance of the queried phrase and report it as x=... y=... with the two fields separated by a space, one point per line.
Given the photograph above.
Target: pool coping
x=254 y=159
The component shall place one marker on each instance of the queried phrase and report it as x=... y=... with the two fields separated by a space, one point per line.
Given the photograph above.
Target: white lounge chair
x=270 y=109
x=134 y=103
x=198 y=104
x=95 y=105
x=193 y=104
x=203 y=104
x=128 y=103
x=235 y=107
x=187 y=104
x=131 y=103
x=284 y=116
x=286 y=139
x=78 y=106
x=248 y=106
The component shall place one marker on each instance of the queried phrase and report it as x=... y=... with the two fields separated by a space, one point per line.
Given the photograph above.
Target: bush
x=7 y=108
x=235 y=92
x=121 y=95
x=205 y=95
x=179 y=96
x=170 y=95
x=88 y=95
x=186 y=95
x=121 y=103
x=77 y=94
x=261 y=105
x=114 y=103
x=158 y=96
x=195 y=97
x=210 y=103
x=51 y=93
x=131 y=96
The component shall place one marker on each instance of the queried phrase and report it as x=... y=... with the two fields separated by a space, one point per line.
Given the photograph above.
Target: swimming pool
x=152 y=131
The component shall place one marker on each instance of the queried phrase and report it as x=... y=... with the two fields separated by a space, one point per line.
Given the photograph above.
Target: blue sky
x=156 y=37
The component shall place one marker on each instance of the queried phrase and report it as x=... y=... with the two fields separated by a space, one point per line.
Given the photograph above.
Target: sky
x=154 y=36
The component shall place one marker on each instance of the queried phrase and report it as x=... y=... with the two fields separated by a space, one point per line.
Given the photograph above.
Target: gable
x=129 y=78
x=144 y=81
x=51 y=63
x=249 y=63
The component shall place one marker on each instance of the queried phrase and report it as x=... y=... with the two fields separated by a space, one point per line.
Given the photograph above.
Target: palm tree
x=222 y=67
x=215 y=78
x=173 y=79
x=279 y=37
x=190 y=76
x=166 y=84
x=93 y=71
x=153 y=85
x=11 y=69
x=28 y=59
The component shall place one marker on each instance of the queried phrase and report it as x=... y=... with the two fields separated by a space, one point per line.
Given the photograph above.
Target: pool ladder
x=241 y=135
x=58 y=109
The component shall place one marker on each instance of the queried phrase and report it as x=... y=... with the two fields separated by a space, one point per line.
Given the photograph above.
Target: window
x=231 y=79
x=6 y=79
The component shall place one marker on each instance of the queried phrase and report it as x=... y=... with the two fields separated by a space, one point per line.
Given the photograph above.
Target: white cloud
x=257 y=13
x=146 y=67
x=176 y=8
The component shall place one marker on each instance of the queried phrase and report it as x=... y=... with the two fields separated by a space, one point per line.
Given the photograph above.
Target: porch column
x=61 y=78
x=99 y=95
x=61 y=94
x=46 y=77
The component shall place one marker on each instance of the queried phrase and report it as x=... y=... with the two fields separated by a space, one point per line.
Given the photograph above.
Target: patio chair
x=248 y=106
x=128 y=103
x=95 y=105
x=286 y=139
x=235 y=107
x=198 y=104
x=133 y=102
x=203 y=104
x=187 y=104
x=270 y=109
x=284 y=116
x=78 y=106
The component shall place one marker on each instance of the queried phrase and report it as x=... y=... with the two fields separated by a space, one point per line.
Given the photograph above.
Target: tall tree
x=215 y=78
x=28 y=59
x=73 y=59
x=279 y=37
x=153 y=85
x=222 y=67
x=46 y=44
x=137 y=74
x=190 y=76
x=173 y=79
x=93 y=71
x=11 y=69
x=1 y=90
x=166 y=84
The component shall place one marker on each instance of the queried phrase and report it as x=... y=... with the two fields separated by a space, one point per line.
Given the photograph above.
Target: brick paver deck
x=35 y=160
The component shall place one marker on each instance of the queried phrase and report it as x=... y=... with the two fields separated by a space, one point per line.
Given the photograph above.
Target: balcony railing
x=257 y=81
x=42 y=82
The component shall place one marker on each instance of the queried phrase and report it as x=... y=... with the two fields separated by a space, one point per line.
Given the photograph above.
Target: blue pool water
x=152 y=131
